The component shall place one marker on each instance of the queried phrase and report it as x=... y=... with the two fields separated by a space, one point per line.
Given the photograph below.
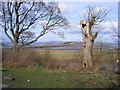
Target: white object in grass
x=118 y=61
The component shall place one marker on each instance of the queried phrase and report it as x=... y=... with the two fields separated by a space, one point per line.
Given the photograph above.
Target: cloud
x=66 y=8
x=69 y=9
x=73 y=29
x=108 y=26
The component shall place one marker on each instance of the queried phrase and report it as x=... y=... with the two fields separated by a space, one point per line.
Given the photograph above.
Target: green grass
x=41 y=79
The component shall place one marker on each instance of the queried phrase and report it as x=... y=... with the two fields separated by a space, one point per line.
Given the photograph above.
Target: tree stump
x=88 y=41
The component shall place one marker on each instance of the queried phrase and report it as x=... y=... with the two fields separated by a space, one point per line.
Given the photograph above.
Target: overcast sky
x=73 y=11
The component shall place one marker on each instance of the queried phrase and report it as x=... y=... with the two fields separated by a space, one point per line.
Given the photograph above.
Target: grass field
x=47 y=77
x=42 y=79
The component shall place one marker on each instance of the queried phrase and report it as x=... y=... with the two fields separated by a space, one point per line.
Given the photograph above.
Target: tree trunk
x=87 y=54
x=88 y=41
x=16 y=47
x=15 y=52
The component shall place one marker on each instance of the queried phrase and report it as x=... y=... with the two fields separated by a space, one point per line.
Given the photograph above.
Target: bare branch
x=20 y=17
x=10 y=13
x=26 y=13
x=100 y=14
x=36 y=39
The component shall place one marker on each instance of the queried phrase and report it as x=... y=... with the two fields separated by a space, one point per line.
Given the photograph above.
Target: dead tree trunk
x=88 y=41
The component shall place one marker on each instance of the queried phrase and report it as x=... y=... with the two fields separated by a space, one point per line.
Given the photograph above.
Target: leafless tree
x=19 y=17
x=93 y=16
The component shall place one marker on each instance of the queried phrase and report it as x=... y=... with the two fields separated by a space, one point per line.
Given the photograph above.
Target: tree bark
x=87 y=53
x=88 y=41
x=16 y=46
x=15 y=52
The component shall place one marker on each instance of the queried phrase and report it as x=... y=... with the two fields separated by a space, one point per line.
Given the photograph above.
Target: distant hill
x=71 y=43
x=64 y=45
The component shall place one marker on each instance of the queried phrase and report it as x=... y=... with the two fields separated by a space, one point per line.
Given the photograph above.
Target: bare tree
x=19 y=17
x=94 y=16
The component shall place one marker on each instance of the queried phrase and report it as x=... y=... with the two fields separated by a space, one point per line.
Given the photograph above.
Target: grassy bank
x=66 y=59
x=42 y=79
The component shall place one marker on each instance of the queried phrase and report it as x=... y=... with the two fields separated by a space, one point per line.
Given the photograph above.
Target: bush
x=27 y=58
x=23 y=58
